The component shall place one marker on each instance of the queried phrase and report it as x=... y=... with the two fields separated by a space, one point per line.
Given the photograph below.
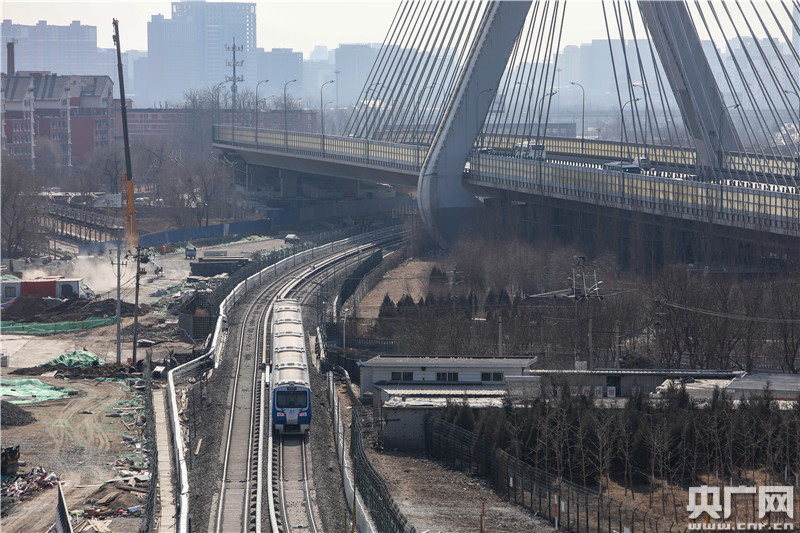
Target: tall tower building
x=189 y=51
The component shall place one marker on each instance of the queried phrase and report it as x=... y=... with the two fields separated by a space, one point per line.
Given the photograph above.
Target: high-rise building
x=193 y=49
x=63 y=49
x=353 y=63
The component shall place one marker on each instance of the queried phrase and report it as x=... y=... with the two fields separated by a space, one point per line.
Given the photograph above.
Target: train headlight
x=279 y=414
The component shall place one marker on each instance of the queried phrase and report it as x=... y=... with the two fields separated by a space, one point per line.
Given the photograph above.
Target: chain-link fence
x=384 y=511
x=151 y=451
x=569 y=506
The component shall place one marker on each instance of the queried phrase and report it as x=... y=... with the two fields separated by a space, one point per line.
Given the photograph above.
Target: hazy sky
x=297 y=24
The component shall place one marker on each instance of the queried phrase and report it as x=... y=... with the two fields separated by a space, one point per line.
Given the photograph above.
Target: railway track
x=292 y=487
x=249 y=428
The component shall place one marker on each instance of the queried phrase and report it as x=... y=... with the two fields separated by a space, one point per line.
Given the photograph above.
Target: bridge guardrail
x=738 y=204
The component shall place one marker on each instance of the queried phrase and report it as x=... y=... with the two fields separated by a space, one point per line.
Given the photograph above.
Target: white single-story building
x=386 y=369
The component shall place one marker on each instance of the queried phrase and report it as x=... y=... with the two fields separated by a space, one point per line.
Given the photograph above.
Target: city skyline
x=320 y=23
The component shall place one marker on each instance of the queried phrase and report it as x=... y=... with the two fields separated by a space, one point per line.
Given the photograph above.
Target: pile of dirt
x=13 y=415
x=109 y=370
x=25 y=305
x=74 y=309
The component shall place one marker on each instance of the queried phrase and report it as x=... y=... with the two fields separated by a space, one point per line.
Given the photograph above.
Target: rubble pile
x=36 y=480
x=13 y=415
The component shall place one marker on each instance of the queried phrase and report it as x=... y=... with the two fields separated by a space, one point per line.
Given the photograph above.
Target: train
x=289 y=379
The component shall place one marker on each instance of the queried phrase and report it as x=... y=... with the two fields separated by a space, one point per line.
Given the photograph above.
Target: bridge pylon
x=445 y=205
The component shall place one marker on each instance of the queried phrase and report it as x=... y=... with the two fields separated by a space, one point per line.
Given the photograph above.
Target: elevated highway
x=572 y=172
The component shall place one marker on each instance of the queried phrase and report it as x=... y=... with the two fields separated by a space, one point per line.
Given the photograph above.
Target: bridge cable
x=352 y=127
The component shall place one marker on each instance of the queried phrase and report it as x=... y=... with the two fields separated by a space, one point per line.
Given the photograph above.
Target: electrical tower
x=233 y=48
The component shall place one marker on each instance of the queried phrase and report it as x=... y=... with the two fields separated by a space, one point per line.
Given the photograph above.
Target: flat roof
x=758 y=381
x=386 y=361
x=454 y=390
x=675 y=372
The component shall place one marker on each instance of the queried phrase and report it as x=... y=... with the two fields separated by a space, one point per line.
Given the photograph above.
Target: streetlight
x=257 y=84
x=787 y=91
x=583 y=111
x=528 y=112
x=285 y=118
x=477 y=119
x=796 y=164
x=719 y=132
x=541 y=112
x=640 y=85
x=622 y=123
x=322 y=112
x=215 y=94
x=419 y=102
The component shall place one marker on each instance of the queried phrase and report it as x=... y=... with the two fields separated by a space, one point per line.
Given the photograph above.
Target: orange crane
x=126 y=178
x=126 y=192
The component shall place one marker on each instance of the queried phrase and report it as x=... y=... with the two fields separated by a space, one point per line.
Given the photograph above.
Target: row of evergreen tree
x=674 y=438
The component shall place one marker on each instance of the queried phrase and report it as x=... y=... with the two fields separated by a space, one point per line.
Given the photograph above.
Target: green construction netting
x=75 y=358
x=30 y=390
x=43 y=328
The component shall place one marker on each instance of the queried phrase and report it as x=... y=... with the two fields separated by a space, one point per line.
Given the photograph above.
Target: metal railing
x=743 y=205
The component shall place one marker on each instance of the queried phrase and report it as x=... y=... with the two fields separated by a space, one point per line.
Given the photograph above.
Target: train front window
x=291 y=399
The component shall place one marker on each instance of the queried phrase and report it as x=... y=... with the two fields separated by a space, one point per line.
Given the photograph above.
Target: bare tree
x=20 y=208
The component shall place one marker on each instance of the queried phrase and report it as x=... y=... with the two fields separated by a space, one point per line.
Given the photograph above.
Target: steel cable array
x=430 y=42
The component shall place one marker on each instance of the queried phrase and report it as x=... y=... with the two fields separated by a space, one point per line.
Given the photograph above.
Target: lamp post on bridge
x=622 y=124
x=541 y=112
x=477 y=118
x=797 y=129
x=528 y=112
x=640 y=85
x=583 y=112
x=285 y=118
x=419 y=102
x=719 y=135
x=215 y=94
x=322 y=115
x=257 y=84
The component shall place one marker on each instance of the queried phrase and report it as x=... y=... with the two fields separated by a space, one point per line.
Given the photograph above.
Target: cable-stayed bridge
x=458 y=104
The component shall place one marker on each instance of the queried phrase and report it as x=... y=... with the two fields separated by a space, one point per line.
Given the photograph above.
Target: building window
x=491 y=376
x=402 y=376
x=447 y=376
x=10 y=292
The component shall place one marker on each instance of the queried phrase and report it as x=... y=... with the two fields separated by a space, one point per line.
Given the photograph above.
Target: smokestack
x=10 y=57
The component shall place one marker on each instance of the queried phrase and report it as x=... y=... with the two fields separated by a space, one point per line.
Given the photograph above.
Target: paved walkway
x=166 y=491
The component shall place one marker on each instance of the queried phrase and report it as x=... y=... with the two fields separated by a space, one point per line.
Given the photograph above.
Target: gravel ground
x=331 y=505
x=207 y=421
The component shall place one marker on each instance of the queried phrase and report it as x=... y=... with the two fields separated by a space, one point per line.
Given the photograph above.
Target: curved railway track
x=249 y=428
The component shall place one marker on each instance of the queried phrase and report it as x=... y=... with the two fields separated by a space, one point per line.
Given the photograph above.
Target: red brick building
x=74 y=112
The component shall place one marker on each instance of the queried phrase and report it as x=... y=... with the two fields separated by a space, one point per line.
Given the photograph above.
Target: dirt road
x=80 y=447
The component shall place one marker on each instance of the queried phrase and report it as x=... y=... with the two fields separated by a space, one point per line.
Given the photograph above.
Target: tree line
x=674 y=439
x=677 y=317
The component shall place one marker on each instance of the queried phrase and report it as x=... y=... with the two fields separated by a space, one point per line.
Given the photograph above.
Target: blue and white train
x=289 y=382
